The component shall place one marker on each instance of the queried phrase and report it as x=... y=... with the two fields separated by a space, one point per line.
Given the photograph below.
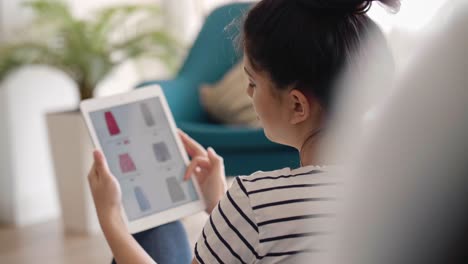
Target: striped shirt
x=281 y=216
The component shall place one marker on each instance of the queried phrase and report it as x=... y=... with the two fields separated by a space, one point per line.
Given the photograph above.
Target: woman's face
x=269 y=104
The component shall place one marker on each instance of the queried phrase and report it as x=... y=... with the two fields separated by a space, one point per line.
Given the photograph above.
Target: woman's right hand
x=208 y=167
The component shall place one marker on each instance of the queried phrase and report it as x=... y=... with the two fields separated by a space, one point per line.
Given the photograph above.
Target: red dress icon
x=126 y=163
x=111 y=124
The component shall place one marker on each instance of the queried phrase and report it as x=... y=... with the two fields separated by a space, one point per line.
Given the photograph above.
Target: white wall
x=14 y=17
x=183 y=17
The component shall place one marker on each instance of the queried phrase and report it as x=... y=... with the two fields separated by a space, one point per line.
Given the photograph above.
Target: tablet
x=137 y=134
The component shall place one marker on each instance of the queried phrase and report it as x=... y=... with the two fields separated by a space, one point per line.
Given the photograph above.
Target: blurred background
x=142 y=41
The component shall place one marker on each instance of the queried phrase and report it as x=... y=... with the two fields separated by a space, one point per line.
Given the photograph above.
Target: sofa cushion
x=227 y=101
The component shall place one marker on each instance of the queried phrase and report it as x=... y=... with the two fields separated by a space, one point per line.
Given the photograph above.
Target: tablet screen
x=143 y=155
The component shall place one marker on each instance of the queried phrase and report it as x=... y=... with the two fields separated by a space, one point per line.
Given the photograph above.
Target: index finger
x=100 y=162
x=192 y=147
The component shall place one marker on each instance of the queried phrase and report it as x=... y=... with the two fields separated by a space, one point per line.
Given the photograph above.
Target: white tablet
x=137 y=134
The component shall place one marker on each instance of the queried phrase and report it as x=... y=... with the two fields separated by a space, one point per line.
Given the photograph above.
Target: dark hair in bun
x=308 y=43
x=348 y=6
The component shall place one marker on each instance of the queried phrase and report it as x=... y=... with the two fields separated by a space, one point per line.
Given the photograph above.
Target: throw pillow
x=227 y=100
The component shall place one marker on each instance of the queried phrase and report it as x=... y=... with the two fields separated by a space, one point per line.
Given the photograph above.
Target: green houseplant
x=88 y=49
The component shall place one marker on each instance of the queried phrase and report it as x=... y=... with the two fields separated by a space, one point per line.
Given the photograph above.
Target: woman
x=295 y=51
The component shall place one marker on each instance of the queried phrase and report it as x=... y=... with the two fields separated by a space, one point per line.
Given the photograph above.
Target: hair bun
x=349 y=6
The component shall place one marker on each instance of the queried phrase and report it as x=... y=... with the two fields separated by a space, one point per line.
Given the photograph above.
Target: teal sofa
x=245 y=150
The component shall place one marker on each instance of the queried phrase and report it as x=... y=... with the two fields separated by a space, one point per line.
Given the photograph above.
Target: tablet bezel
x=153 y=91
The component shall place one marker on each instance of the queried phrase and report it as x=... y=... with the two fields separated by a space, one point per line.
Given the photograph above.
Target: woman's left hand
x=105 y=189
x=107 y=199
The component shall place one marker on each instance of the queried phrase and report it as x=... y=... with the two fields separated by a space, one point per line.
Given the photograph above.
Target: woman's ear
x=299 y=107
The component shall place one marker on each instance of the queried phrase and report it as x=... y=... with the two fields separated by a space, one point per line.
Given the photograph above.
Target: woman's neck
x=308 y=152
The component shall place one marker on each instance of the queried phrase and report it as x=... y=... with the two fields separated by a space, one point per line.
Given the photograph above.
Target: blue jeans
x=166 y=244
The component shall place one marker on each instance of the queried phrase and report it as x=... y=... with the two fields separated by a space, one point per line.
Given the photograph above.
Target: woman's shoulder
x=283 y=173
x=264 y=181
x=260 y=174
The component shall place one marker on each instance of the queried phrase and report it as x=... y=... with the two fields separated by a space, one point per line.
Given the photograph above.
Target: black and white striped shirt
x=281 y=216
